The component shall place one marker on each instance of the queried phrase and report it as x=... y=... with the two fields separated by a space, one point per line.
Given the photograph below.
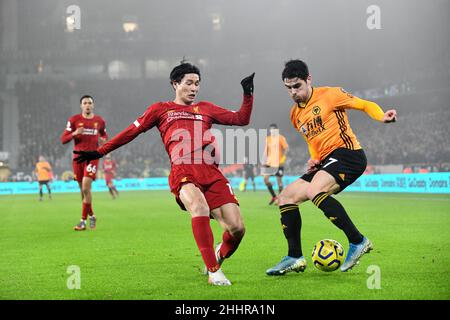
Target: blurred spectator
x=407 y=170
x=43 y=109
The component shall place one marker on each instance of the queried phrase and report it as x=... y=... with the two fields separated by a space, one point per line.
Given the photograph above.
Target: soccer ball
x=328 y=255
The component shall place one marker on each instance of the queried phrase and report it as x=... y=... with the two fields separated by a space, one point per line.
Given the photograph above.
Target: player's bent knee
x=239 y=233
x=198 y=209
x=312 y=191
x=285 y=198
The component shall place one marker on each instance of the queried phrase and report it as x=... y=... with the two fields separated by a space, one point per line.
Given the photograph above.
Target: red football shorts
x=85 y=169
x=109 y=178
x=208 y=178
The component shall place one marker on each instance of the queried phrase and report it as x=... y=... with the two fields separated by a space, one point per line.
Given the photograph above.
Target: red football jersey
x=93 y=129
x=184 y=129
x=109 y=166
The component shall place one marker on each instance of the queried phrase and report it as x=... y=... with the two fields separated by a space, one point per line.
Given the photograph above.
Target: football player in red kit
x=88 y=131
x=109 y=169
x=195 y=180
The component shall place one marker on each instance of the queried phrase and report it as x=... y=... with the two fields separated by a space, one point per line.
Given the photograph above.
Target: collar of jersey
x=184 y=105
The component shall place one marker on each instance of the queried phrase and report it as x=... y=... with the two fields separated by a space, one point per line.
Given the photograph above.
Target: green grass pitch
x=143 y=248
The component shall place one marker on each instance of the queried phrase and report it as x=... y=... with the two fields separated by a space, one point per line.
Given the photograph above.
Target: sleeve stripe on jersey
x=343 y=127
x=136 y=124
x=347 y=140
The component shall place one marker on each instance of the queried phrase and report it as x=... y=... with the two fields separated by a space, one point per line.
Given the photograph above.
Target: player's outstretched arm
x=372 y=109
x=242 y=116
x=142 y=124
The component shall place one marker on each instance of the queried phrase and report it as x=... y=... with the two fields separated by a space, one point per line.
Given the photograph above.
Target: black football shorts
x=344 y=165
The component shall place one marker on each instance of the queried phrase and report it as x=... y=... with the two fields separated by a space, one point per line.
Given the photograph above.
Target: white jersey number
x=332 y=160
x=91 y=168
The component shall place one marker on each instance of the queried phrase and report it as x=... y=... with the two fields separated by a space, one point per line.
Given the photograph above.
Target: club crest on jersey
x=316 y=110
x=195 y=109
x=95 y=124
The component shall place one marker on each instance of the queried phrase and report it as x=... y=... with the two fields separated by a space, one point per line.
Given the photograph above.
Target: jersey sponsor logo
x=90 y=132
x=176 y=115
x=313 y=127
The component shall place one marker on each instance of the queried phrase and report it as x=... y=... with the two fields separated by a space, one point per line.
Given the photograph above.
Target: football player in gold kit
x=337 y=160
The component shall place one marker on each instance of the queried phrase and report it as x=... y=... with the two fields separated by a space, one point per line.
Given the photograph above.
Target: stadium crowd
x=43 y=111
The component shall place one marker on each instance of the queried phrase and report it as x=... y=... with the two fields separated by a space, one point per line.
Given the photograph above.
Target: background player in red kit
x=88 y=131
x=199 y=186
x=109 y=169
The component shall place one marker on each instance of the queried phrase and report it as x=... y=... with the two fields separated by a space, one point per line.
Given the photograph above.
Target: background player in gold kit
x=275 y=154
x=337 y=160
x=44 y=175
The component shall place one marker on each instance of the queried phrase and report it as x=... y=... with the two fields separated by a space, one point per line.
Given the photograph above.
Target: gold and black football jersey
x=323 y=120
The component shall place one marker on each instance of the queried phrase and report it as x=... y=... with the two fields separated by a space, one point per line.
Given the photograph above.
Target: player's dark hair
x=295 y=69
x=273 y=125
x=86 y=96
x=184 y=68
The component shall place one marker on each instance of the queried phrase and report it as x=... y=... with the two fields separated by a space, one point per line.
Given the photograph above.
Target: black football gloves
x=247 y=84
x=87 y=156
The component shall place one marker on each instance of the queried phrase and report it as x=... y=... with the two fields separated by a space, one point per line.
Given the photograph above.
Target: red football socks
x=205 y=240
x=86 y=210
x=229 y=244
